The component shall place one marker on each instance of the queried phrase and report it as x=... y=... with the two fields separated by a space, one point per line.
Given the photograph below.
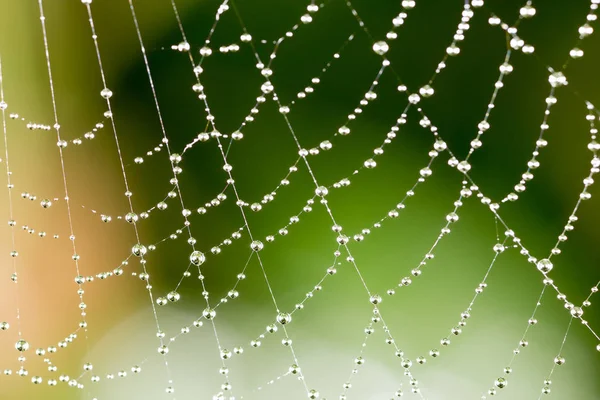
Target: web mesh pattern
x=371 y=303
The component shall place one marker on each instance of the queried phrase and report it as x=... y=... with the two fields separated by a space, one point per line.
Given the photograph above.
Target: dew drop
x=381 y=47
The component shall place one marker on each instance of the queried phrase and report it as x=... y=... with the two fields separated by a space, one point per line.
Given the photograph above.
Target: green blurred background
x=328 y=333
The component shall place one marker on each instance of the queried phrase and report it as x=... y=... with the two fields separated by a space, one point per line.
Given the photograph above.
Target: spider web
x=222 y=325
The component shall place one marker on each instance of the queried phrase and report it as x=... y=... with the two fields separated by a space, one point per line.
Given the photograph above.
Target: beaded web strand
x=230 y=364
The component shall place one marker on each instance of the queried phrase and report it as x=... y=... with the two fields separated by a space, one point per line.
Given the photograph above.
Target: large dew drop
x=197 y=258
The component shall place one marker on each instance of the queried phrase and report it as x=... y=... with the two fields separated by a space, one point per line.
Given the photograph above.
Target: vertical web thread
x=60 y=144
x=126 y=183
x=177 y=186
x=3 y=107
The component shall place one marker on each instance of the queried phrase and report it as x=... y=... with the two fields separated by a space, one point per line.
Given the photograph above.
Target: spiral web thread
x=343 y=242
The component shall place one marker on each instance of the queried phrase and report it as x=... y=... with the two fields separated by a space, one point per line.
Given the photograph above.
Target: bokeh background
x=328 y=333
